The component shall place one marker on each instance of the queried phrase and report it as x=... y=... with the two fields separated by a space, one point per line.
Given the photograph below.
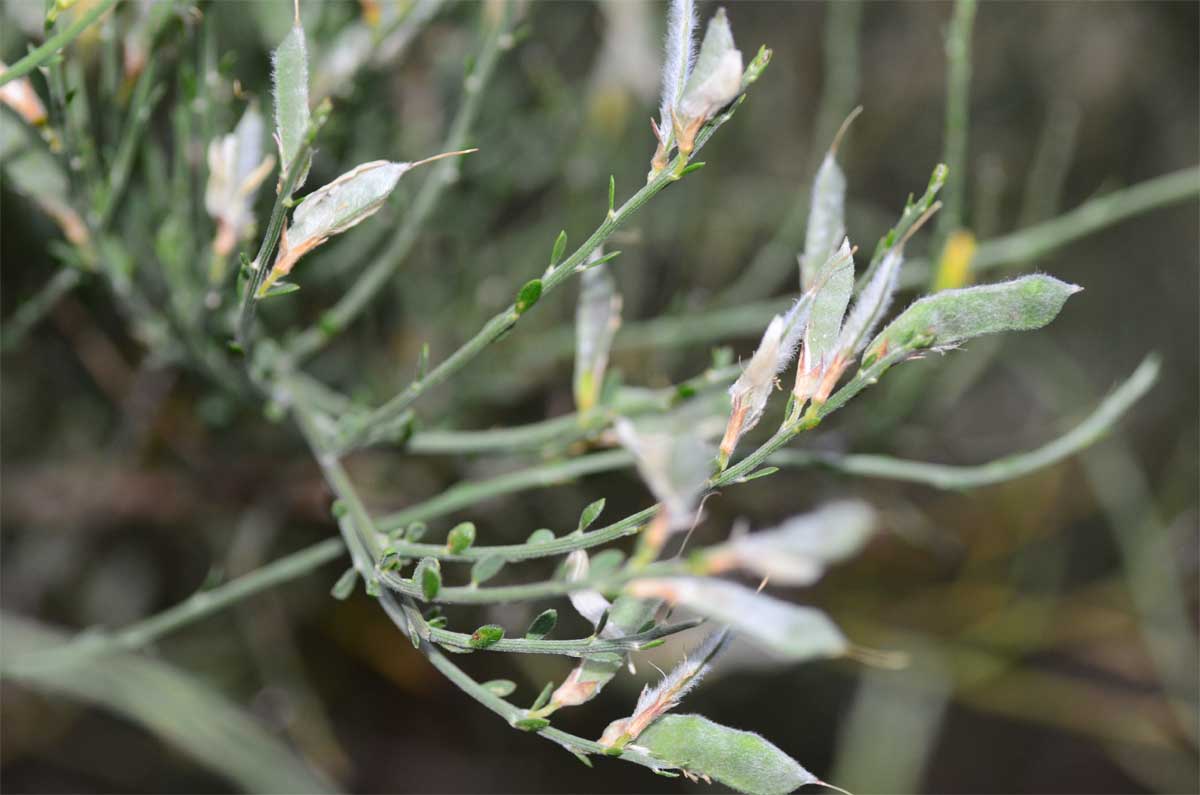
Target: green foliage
x=485 y=636
x=428 y=576
x=145 y=252
x=543 y=625
x=460 y=538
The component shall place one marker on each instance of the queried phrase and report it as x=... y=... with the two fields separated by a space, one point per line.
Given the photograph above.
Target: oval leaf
x=485 y=636
x=428 y=576
x=590 y=514
x=460 y=539
x=543 y=625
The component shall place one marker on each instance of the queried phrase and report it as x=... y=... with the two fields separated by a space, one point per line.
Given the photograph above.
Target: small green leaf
x=373 y=587
x=501 y=687
x=461 y=537
x=590 y=514
x=582 y=758
x=652 y=644
x=760 y=473
x=612 y=192
x=543 y=625
x=423 y=361
x=540 y=536
x=738 y=759
x=415 y=532
x=438 y=622
x=485 y=636
x=690 y=167
x=543 y=697
x=598 y=261
x=428 y=576
x=280 y=288
x=531 y=724
x=486 y=568
x=339 y=509
x=560 y=246
x=345 y=584
x=528 y=296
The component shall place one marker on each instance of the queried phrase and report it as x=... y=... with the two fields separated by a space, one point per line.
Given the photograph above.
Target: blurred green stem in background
x=840 y=54
x=497 y=39
x=170 y=703
x=53 y=45
x=957 y=122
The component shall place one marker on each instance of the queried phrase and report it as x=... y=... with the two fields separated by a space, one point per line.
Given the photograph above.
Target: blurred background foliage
x=1051 y=620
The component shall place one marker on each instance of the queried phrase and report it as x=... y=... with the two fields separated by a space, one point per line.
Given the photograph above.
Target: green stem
x=261 y=264
x=416 y=217
x=513 y=714
x=580 y=647
x=31 y=311
x=466 y=494
x=525 y=592
x=1089 y=217
x=199 y=605
x=942 y=476
x=55 y=43
x=140 y=108
x=511 y=552
x=958 y=100
x=501 y=323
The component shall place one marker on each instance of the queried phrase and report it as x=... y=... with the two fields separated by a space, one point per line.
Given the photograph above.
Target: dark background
x=1051 y=620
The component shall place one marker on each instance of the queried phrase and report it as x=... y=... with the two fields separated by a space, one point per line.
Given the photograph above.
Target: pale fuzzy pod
x=949 y=317
x=714 y=82
x=872 y=304
x=666 y=695
x=236 y=168
x=674 y=466
x=826 y=219
x=720 y=87
x=741 y=760
x=347 y=201
x=791 y=631
x=750 y=393
x=597 y=318
x=680 y=53
x=798 y=551
x=831 y=294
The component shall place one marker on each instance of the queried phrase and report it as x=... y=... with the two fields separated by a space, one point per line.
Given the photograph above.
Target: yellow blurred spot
x=370 y=12
x=608 y=111
x=954 y=269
